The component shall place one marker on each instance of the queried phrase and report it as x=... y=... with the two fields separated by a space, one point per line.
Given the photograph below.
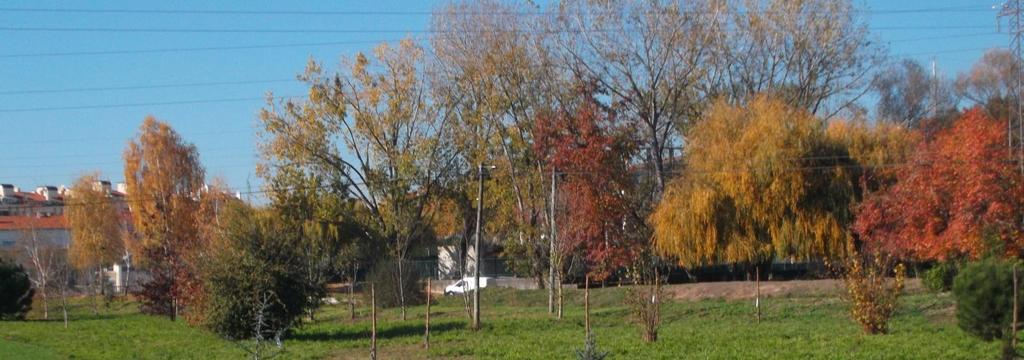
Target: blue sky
x=41 y=143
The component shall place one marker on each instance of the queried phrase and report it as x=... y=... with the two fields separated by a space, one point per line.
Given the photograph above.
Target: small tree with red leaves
x=589 y=149
x=954 y=188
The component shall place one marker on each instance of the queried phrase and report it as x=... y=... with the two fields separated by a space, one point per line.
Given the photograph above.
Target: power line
x=376 y=31
x=116 y=162
x=140 y=87
x=157 y=103
x=950 y=51
x=944 y=37
x=118 y=155
x=407 y=12
x=192 y=49
x=100 y=139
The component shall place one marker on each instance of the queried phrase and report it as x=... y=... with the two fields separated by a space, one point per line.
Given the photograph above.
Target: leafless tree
x=648 y=56
x=816 y=55
x=992 y=77
x=907 y=94
x=42 y=253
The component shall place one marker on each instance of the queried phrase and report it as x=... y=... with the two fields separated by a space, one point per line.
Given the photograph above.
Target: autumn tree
x=761 y=182
x=374 y=129
x=95 y=231
x=878 y=150
x=951 y=191
x=164 y=178
x=498 y=75
x=590 y=149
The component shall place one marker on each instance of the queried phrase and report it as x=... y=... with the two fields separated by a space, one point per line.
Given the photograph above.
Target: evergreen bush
x=984 y=298
x=15 y=291
x=940 y=277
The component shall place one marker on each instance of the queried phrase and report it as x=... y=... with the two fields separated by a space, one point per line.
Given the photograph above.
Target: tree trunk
x=95 y=294
x=560 y=297
x=64 y=304
x=373 y=323
x=351 y=295
x=551 y=249
x=426 y=333
x=46 y=306
x=401 y=288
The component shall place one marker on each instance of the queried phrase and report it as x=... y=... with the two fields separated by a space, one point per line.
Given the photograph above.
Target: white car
x=465 y=285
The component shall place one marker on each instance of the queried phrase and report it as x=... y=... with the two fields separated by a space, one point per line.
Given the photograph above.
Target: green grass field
x=517 y=326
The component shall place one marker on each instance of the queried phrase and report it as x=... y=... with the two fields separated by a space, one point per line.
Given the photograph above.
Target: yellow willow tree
x=164 y=179
x=760 y=182
x=374 y=134
x=95 y=230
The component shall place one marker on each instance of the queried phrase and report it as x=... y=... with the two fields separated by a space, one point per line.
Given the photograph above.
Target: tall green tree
x=375 y=129
x=255 y=279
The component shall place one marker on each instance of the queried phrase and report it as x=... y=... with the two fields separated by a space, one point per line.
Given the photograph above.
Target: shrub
x=384 y=276
x=589 y=350
x=15 y=291
x=873 y=294
x=984 y=298
x=254 y=279
x=940 y=277
x=644 y=302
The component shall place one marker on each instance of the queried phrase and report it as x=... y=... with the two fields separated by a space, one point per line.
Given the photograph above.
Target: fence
x=489 y=267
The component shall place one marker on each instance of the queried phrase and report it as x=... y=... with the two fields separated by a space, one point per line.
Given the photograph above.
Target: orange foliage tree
x=95 y=230
x=164 y=179
x=953 y=189
x=760 y=181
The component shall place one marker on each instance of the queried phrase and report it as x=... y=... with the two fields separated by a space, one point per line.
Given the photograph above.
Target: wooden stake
x=426 y=334
x=757 y=299
x=586 y=304
x=373 y=326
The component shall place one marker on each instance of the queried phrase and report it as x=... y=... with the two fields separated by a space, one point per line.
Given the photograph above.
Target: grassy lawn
x=517 y=326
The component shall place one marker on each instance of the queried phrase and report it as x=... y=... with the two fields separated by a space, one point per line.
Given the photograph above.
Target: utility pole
x=551 y=251
x=476 y=247
x=1012 y=9
x=933 y=104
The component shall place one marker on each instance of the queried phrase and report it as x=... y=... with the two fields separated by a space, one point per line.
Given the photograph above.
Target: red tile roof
x=28 y=196
x=26 y=222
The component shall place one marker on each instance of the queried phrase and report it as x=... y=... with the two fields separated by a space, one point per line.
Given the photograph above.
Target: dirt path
x=733 y=290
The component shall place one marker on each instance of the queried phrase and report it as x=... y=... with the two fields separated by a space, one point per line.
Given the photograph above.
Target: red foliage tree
x=591 y=151
x=956 y=189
